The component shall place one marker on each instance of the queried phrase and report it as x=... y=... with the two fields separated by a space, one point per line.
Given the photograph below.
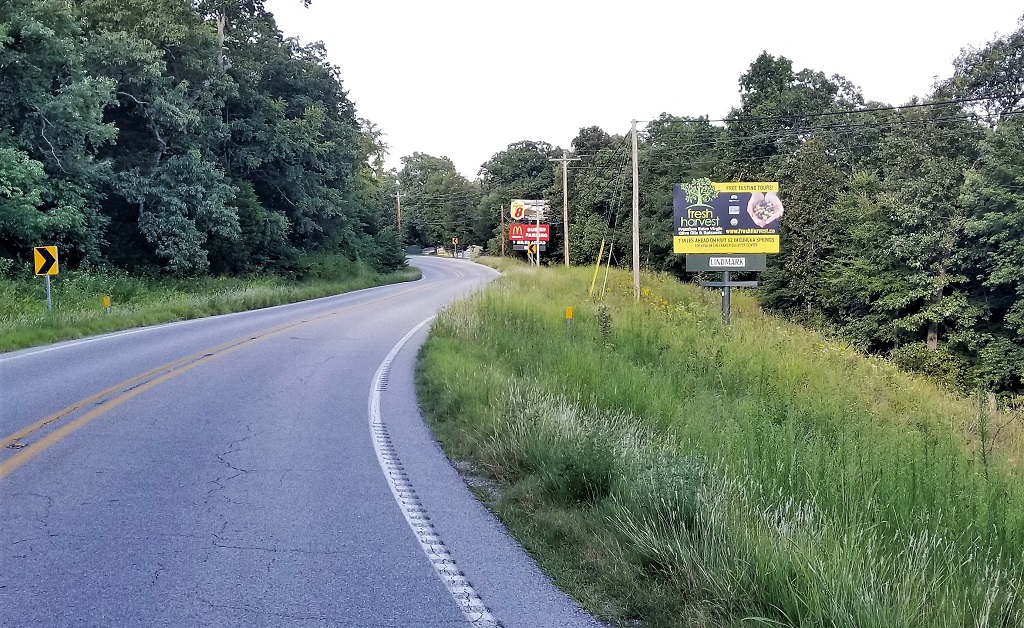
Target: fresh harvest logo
x=736 y=217
x=699 y=194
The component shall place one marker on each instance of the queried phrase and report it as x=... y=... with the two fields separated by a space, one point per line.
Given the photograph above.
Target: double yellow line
x=118 y=394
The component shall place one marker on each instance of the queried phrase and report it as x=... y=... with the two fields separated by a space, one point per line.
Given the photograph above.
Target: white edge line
x=85 y=341
x=462 y=592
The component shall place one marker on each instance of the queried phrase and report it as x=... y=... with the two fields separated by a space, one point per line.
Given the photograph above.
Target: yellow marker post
x=106 y=303
x=568 y=319
x=597 y=268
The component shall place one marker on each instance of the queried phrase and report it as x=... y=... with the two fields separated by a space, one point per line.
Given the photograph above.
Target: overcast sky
x=465 y=78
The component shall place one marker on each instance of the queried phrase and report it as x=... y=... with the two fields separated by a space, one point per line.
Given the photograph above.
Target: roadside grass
x=670 y=472
x=78 y=299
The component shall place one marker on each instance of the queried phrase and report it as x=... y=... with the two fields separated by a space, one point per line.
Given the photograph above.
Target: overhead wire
x=841 y=112
x=663 y=139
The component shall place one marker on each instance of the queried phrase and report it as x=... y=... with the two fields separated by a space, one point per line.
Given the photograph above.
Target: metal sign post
x=538 y=239
x=45 y=258
x=726 y=298
x=727 y=286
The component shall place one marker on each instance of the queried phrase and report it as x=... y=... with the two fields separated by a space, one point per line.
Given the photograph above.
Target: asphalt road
x=268 y=468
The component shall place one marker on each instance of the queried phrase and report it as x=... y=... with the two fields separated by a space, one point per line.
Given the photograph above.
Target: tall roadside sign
x=528 y=231
x=726 y=227
x=726 y=217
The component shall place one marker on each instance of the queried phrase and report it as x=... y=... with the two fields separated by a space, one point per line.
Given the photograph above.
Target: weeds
x=604 y=323
x=78 y=299
x=750 y=476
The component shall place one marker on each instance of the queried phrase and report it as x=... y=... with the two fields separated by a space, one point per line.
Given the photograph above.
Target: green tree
x=994 y=197
x=673 y=150
x=927 y=155
x=772 y=120
x=522 y=170
x=438 y=203
x=993 y=73
x=813 y=232
x=52 y=113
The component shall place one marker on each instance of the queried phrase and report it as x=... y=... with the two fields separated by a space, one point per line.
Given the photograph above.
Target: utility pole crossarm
x=565 y=200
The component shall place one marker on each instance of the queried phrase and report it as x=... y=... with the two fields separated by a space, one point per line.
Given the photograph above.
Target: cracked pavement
x=242 y=492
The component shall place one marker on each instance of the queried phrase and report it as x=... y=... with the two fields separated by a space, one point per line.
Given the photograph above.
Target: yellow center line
x=36 y=448
x=119 y=393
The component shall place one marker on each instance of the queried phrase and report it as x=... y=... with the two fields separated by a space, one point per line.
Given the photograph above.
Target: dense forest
x=191 y=137
x=904 y=225
x=182 y=138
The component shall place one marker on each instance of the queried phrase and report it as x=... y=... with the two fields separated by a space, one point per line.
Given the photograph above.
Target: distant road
x=267 y=468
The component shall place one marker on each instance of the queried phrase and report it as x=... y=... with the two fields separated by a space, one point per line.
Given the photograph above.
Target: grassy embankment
x=78 y=299
x=667 y=471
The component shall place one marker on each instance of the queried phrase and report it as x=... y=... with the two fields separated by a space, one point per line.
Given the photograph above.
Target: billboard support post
x=726 y=298
x=538 y=239
x=726 y=227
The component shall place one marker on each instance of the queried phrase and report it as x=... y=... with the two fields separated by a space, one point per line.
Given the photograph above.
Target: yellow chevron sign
x=46 y=260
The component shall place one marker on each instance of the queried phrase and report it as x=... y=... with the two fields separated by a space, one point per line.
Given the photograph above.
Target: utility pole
x=565 y=200
x=636 y=218
x=503 y=235
x=398 y=195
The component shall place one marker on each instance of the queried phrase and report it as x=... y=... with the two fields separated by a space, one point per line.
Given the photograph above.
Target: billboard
x=529 y=232
x=525 y=209
x=737 y=217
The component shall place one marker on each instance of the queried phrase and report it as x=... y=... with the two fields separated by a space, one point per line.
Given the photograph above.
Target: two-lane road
x=268 y=468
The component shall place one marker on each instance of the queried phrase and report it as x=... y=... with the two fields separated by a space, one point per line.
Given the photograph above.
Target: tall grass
x=676 y=472
x=78 y=309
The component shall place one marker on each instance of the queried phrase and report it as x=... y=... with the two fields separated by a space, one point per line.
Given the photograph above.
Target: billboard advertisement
x=529 y=232
x=738 y=217
x=525 y=209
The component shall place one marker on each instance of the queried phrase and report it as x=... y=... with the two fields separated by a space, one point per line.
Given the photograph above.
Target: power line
x=940 y=103
x=795 y=131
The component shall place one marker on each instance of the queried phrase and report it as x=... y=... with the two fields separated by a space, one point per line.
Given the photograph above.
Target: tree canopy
x=902 y=227
x=166 y=136
x=192 y=137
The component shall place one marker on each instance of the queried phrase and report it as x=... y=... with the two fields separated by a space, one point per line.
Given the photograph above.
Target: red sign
x=529 y=232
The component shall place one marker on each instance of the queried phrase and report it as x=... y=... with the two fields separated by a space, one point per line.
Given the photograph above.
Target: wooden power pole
x=636 y=218
x=565 y=200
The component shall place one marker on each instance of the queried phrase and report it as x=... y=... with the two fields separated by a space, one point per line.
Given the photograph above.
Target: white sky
x=465 y=78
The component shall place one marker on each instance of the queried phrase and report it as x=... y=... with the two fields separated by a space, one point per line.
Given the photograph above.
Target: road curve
x=268 y=468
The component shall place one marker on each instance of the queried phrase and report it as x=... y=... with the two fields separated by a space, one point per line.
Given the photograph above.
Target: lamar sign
x=528 y=232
